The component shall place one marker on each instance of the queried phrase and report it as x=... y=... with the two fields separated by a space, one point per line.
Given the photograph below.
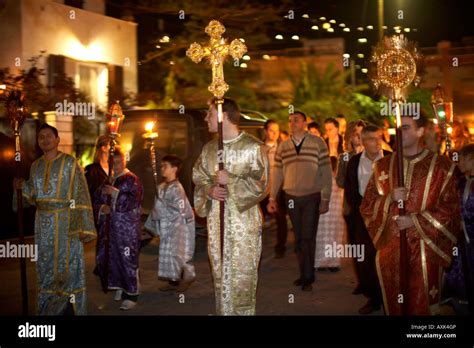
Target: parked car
x=181 y=134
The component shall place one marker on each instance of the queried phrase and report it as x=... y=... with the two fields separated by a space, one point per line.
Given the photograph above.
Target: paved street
x=331 y=294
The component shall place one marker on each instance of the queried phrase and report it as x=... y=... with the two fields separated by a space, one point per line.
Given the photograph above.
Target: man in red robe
x=431 y=221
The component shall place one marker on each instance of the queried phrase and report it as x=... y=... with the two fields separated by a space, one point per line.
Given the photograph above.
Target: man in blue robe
x=58 y=188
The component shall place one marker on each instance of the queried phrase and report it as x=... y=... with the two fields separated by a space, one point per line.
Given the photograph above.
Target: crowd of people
x=338 y=184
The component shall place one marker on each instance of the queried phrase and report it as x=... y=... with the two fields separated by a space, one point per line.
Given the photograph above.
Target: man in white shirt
x=359 y=171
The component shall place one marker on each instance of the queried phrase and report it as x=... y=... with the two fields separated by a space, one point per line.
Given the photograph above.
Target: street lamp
x=443 y=111
x=115 y=119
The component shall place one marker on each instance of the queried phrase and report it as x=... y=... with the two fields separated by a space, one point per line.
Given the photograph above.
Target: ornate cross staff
x=216 y=52
x=393 y=69
x=443 y=111
x=16 y=111
x=114 y=118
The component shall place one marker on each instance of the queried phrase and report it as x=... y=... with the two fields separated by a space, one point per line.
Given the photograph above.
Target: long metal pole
x=401 y=212
x=21 y=233
x=380 y=19
x=105 y=275
x=220 y=161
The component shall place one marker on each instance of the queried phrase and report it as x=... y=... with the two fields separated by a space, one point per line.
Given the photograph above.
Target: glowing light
x=322 y=18
x=158 y=46
x=342 y=25
x=149 y=126
x=266 y=57
x=346 y=55
x=333 y=21
x=243 y=65
x=360 y=28
x=346 y=30
x=330 y=30
x=94 y=52
x=360 y=55
x=315 y=27
x=242 y=40
x=305 y=15
x=362 y=40
x=295 y=37
x=279 y=37
x=364 y=70
x=326 y=26
x=246 y=57
x=449 y=130
x=165 y=39
x=370 y=27
x=407 y=30
x=148 y=135
x=8 y=154
x=127 y=147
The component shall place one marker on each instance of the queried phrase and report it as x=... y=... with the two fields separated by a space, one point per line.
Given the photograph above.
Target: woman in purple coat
x=455 y=281
x=126 y=194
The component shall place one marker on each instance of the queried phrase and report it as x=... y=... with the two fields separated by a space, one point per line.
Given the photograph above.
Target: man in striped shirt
x=303 y=167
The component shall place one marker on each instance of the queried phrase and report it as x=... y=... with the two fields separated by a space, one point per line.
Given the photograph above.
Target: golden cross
x=216 y=52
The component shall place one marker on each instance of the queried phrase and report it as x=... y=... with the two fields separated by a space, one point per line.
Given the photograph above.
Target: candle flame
x=149 y=126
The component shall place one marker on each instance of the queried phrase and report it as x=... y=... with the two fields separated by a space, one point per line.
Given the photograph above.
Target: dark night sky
x=435 y=20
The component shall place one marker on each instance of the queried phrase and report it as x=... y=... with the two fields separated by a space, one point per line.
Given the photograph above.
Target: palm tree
x=322 y=94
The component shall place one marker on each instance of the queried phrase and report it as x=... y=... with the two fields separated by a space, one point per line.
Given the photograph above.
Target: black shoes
x=369 y=307
x=298 y=282
x=330 y=269
x=305 y=285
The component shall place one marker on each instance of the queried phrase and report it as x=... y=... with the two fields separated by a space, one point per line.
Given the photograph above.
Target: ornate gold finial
x=394 y=65
x=16 y=109
x=438 y=96
x=216 y=52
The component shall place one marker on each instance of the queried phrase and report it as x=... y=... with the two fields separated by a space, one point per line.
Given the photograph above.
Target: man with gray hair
x=359 y=171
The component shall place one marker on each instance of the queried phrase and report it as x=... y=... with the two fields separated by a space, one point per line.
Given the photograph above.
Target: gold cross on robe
x=383 y=176
x=433 y=292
